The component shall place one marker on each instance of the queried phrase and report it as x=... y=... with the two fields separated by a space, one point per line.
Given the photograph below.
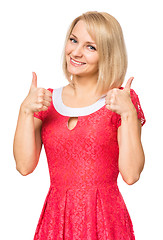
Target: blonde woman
x=91 y=131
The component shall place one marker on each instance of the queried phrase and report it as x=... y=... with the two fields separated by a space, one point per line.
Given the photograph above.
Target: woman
x=91 y=131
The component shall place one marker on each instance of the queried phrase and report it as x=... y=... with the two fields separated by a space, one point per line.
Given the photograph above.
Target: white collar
x=74 y=112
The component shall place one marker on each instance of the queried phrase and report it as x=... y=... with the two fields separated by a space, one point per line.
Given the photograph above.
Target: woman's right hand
x=38 y=99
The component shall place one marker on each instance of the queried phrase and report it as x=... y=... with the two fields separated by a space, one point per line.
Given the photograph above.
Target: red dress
x=83 y=201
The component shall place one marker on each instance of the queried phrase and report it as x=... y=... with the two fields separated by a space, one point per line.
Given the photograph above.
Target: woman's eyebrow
x=86 y=42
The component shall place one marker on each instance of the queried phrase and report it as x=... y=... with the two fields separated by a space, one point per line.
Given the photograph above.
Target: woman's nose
x=77 y=51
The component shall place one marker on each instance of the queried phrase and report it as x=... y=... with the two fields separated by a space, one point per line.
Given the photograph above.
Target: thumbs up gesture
x=38 y=99
x=119 y=101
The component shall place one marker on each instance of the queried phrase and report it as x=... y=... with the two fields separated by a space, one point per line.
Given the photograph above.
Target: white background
x=32 y=38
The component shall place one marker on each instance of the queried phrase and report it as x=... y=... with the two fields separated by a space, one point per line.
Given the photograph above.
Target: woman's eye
x=73 y=40
x=91 y=47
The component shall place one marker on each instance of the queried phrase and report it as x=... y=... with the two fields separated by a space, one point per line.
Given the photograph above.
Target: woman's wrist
x=132 y=113
x=25 y=110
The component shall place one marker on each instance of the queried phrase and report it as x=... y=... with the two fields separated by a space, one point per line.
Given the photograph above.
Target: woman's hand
x=119 y=101
x=38 y=99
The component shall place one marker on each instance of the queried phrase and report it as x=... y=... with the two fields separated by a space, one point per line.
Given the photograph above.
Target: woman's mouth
x=76 y=63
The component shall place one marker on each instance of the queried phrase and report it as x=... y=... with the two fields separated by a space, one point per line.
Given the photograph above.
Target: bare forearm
x=24 y=146
x=131 y=154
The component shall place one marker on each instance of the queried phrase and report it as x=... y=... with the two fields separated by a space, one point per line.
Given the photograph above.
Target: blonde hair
x=107 y=33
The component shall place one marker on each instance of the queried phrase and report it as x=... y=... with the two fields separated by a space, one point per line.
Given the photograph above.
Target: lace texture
x=83 y=201
x=136 y=102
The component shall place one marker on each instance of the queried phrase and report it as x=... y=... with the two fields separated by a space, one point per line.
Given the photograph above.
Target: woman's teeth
x=78 y=63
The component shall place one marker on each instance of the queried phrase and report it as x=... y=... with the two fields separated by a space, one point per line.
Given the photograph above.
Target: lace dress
x=83 y=201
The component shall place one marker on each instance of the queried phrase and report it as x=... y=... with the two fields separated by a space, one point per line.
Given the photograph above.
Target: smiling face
x=81 y=52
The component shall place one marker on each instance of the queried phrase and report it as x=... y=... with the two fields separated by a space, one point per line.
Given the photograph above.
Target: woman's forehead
x=80 y=31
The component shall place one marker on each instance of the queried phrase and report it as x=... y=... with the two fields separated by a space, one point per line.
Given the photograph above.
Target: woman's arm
x=131 y=154
x=27 y=142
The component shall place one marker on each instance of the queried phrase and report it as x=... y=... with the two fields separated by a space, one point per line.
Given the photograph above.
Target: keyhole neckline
x=77 y=123
x=74 y=112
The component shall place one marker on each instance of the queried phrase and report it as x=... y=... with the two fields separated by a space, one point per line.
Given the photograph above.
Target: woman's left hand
x=119 y=101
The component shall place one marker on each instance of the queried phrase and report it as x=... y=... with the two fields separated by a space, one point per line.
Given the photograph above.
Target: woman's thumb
x=34 y=80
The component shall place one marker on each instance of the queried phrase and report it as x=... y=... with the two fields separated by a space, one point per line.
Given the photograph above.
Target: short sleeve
x=41 y=115
x=136 y=102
